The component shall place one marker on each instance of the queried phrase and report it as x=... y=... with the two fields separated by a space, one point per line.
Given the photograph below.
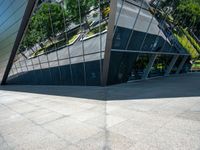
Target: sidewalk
x=159 y=114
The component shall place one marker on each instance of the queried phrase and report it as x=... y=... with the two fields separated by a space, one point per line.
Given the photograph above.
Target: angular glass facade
x=11 y=14
x=68 y=44
x=96 y=42
x=143 y=42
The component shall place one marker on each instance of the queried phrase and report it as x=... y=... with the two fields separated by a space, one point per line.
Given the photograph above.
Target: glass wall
x=145 y=26
x=138 y=68
x=160 y=65
x=121 y=66
x=142 y=29
x=176 y=65
x=64 y=44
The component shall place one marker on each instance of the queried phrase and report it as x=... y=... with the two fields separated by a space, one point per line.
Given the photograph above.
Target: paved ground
x=159 y=114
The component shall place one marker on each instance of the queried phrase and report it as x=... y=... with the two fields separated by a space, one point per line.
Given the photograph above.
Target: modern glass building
x=86 y=42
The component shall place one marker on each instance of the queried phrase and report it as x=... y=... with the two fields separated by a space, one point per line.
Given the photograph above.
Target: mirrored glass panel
x=64 y=43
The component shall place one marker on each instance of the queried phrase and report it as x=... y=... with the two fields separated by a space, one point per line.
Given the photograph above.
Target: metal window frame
x=109 y=39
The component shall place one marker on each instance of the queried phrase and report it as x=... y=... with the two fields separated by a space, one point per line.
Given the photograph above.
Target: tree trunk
x=23 y=55
x=32 y=49
x=51 y=40
x=87 y=23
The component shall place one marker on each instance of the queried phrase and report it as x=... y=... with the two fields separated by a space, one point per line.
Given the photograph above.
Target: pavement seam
x=67 y=142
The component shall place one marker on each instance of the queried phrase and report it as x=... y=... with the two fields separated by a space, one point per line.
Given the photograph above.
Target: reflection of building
x=91 y=49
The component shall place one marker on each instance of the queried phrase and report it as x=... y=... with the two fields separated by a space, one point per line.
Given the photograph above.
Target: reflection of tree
x=191 y=11
x=50 y=19
x=72 y=8
x=40 y=27
x=142 y=62
x=49 y=15
x=186 y=12
x=86 y=6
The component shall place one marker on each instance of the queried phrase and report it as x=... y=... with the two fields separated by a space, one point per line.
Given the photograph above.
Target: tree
x=188 y=14
x=172 y=3
x=185 y=12
x=46 y=22
x=72 y=8
x=49 y=20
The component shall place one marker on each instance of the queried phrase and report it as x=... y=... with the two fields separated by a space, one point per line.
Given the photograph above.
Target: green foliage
x=192 y=40
x=173 y=3
x=72 y=39
x=188 y=14
x=72 y=8
x=185 y=12
x=44 y=24
x=48 y=20
x=96 y=30
x=187 y=45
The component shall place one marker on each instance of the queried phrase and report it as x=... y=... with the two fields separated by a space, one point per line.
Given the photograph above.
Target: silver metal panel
x=11 y=14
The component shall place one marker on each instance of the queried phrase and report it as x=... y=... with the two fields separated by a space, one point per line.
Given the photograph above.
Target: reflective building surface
x=89 y=42
x=11 y=14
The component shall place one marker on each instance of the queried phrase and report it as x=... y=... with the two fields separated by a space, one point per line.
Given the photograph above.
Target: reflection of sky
x=128 y=17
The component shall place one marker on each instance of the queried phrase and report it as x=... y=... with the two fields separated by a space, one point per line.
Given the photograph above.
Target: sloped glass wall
x=64 y=44
x=144 y=28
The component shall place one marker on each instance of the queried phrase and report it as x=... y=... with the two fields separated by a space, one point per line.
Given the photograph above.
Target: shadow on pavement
x=187 y=85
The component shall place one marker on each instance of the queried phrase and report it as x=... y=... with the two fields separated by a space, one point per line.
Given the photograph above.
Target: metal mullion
x=39 y=62
x=170 y=44
x=149 y=52
x=16 y=68
x=32 y=66
x=100 y=44
x=25 y=19
x=180 y=67
x=129 y=39
x=12 y=72
x=55 y=43
x=162 y=49
x=188 y=39
x=79 y=7
x=68 y=49
x=47 y=61
x=26 y=65
x=31 y=60
x=118 y=17
x=20 y=66
x=149 y=28
x=179 y=42
x=148 y=68
x=171 y=65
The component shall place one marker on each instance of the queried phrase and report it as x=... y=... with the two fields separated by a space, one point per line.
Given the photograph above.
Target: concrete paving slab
x=132 y=116
x=71 y=130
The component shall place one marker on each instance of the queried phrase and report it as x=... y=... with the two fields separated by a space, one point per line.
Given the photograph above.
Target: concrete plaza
x=158 y=114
